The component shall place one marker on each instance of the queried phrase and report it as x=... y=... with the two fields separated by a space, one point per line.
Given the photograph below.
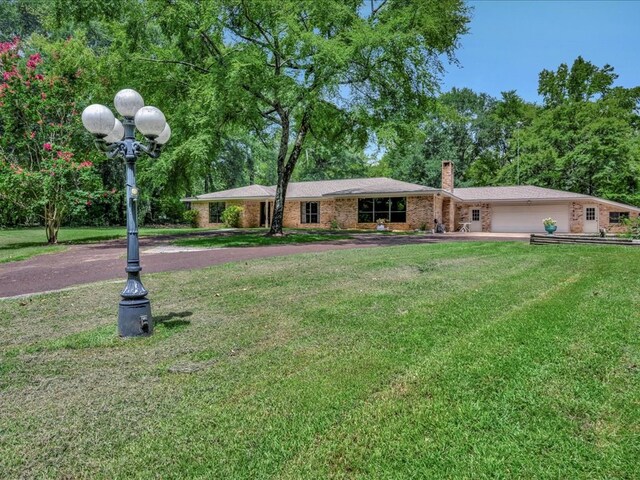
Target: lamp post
x=118 y=139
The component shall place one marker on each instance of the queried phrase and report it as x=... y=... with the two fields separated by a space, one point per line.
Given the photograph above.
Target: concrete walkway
x=89 y=263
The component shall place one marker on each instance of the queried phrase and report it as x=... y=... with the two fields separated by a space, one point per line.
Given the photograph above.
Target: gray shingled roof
x=521 y=192
x=358 y=186
x=526 y=192
x=252 y=191
x=317 y=189
x=382 y=186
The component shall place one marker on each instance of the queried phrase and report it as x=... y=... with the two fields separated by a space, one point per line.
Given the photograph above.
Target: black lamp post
x=117 y=138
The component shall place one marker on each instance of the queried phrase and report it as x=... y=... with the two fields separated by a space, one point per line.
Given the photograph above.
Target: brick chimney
x=447 y=176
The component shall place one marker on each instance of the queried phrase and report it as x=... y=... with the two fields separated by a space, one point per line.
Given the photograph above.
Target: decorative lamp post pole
x=117 y=138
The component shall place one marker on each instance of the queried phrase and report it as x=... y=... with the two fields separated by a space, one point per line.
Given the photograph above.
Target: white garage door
x=528 y=218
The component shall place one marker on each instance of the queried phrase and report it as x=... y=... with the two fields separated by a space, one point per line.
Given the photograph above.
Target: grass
x=458 y=360
x=20 y=244
x=250 y=239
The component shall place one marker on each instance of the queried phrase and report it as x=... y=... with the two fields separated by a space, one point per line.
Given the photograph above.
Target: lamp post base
x=134 y=318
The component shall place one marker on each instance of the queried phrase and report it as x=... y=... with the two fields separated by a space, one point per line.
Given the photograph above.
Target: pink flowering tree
x=42 y=171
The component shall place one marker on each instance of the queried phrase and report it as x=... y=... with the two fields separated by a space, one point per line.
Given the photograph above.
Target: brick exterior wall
x=250 y=213
x=293 y=217
x=576 y=220
x=345 y=212
x=419 y=214
x=577 y=212
x=463 y=212
x=437 y=210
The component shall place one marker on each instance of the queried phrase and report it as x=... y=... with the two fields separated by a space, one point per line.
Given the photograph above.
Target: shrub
x=191 y=217
x=232 y=216
x=632 y=227
x=335 y=225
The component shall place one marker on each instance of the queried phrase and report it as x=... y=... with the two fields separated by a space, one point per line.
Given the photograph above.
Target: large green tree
x=311 y=69
x=585 y=139
x=473 y=130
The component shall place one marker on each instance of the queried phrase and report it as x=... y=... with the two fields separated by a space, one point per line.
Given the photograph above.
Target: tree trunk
x=285 y=169
x=52 y=220
x=278 y=206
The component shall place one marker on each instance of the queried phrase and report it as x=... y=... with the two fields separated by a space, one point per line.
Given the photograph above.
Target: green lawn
x=22 y=243
x=458 y=360
x=250 y=239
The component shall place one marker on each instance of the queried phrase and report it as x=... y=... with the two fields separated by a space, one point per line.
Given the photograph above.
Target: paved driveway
x=105 y=261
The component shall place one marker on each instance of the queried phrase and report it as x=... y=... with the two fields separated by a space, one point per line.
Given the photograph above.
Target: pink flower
x=43 y=96
x=8 y=46
x=88 y=203
x=39 y=76
x=85 y=164
x=34 y=61
x=33 y=135
x=47 y=146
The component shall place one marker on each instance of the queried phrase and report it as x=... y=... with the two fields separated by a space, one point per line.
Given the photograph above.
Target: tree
x=471 y=129
x=40 y=171
x=309 y=69
x=582 y=83
x=585 y=139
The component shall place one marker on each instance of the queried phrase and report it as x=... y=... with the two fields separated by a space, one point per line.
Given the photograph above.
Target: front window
x=215 y=212
x=591 y=214
x=617 y=217
x=392 y=209
x=309 y=212
x=475 y=215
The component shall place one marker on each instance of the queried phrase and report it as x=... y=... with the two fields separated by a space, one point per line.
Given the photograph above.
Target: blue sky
x=510 y=42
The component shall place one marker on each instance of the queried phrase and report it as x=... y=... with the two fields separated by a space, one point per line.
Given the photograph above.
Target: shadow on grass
x=173 y=320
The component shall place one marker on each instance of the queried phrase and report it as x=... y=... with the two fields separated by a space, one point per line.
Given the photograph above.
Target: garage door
x=528 y=218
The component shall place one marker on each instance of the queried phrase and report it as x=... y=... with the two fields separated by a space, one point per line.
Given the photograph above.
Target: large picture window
x=309 y=212
x=215 y=212
x=617 y=217
x=393 y=209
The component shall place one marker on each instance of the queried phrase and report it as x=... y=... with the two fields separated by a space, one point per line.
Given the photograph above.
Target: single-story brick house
x=359 y=203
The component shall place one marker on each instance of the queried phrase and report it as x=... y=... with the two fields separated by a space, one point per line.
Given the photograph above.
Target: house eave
x=586 y=199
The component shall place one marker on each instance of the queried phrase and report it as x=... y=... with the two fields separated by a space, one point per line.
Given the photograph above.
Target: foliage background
x=583 y=137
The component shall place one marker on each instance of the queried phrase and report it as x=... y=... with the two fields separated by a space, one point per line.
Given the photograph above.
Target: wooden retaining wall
x=541 y=239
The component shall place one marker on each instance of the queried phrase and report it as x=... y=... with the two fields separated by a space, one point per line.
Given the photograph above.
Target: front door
x=265 y=214
x=590 y=219
x=475 y=216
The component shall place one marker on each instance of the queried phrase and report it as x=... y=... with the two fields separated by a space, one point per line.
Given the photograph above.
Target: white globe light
x=98 y=119
x=150 y=121
x=128 y=102
x=164 y=135
x=116 y=134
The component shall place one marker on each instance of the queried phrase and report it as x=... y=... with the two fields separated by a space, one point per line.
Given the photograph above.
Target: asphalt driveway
x=95 y=262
